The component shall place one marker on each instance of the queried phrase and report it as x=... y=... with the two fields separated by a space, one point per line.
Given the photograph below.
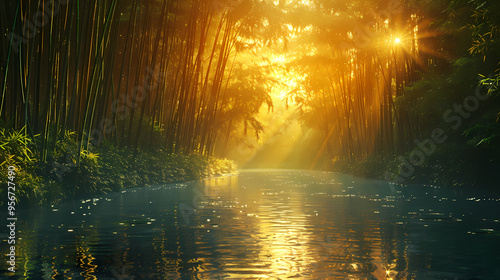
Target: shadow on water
x=277 y=224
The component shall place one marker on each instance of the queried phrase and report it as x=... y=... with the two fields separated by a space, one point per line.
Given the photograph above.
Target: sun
x=397 y=40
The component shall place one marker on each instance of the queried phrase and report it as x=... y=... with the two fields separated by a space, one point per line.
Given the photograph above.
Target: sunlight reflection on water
x=276 y=224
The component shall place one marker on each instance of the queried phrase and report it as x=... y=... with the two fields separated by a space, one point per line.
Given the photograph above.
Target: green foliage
x=17 y=145
x=484 y=134
x=16 y=149
x=71 y=172
x=123 y=170
x=100 y=170
x=219 y=166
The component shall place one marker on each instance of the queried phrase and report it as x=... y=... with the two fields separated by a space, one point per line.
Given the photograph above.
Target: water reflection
x=265 y=224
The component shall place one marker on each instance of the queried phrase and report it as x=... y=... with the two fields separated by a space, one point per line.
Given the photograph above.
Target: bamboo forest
x=250 y=139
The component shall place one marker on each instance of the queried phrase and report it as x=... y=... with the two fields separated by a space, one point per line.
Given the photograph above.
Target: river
x=265 y=224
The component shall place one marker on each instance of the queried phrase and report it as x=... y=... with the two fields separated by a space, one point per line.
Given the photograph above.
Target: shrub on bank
x=16 y=149
x=219 y=166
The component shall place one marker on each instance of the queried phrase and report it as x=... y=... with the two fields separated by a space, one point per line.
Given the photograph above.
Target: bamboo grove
x=354 y=76
x=116 y=71
x=197 y=71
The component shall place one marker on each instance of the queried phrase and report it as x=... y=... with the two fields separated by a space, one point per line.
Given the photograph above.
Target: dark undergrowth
x=451 y=165
x=98 y=170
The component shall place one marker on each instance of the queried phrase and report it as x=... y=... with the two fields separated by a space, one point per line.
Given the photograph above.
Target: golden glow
x=86 y=260
x=282 y=130
x=215 y=185
x=321 y=78
x=285 y=244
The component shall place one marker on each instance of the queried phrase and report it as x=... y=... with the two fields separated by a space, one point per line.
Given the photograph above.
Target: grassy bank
x=64 y=175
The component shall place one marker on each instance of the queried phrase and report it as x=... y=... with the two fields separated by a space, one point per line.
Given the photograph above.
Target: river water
x=265 y=224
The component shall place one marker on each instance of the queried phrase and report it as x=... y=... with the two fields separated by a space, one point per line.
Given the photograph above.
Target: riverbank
x=106 y=168
x=452 y=166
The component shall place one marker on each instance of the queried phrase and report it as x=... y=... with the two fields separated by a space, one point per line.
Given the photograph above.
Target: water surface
x=265 y=224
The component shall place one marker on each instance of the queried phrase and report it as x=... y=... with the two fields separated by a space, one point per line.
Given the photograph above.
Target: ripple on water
x=272 y=224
